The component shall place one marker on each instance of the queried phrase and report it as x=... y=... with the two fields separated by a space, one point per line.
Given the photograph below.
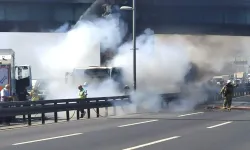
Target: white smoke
x=160 y=69
x=164 y=60
x=105 y=89
x=161 y=64
x=81 y=48
x=62 y=28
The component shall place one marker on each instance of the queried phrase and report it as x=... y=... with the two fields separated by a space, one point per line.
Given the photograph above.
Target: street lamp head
x=126 y=8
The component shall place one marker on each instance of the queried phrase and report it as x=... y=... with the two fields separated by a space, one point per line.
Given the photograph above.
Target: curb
x=233 y=107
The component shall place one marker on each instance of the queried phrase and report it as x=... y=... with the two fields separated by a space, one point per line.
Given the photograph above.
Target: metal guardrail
x=10 y=109
x=238 y=92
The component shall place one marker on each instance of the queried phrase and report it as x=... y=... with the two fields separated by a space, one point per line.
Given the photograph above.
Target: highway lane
x=149 y=131
x=229 y=136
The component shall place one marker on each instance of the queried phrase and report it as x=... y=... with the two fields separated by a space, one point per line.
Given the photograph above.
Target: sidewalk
x=238 y=103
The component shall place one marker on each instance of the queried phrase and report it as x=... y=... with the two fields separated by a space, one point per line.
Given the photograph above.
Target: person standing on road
x=82 y=95
x=227 y=92
x=5 y=97
x=34 y=95
x=5 y=94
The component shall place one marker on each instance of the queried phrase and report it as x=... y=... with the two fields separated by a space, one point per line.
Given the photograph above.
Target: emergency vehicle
x=17 y=76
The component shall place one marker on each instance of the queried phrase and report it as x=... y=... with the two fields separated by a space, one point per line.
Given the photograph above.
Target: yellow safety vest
x=35 y=96
x=82 y=94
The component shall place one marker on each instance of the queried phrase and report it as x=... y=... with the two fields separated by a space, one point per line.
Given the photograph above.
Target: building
x=171 y=16
x=39 y=15
x=195 y=16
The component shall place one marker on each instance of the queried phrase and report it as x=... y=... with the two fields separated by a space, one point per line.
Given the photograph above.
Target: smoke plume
x=162 y=60
x=81 y=48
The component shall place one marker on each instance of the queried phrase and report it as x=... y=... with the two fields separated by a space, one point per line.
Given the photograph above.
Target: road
x=194 y=130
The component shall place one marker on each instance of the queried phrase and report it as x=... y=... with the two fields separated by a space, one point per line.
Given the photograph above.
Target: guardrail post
x=115 y=111
x=97 y=110
x=106 y=109
x=77 y=111
x=29 y=119
x=43 y=116
x=55 y=114
x=24 y=118
x=88 y=109
x=67 y=112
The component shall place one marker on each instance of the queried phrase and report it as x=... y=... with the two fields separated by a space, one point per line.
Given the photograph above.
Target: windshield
x=98 y=73
x=91 y=75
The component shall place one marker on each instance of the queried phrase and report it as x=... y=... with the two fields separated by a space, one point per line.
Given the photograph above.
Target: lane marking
x=152 y=143
x=191 y=114
x=221 y=124
x=46 y=139
x=132 y=124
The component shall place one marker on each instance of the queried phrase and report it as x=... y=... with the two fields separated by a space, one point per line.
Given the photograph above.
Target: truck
x=98 y=74
x=95 y=75
x=17 y=76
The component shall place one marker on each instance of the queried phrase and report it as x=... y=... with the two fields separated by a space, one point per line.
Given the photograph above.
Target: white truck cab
x=18 y=77
x=94 y=74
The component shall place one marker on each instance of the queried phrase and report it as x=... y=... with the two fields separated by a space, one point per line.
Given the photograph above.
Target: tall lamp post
x=133 y=8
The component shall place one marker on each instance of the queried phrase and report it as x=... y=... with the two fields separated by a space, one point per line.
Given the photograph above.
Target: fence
x=8 y=109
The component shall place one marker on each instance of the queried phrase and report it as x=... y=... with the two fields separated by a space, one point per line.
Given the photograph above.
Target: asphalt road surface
x=197 y=130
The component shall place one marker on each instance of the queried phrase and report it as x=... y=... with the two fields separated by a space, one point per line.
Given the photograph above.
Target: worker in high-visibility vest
x=82 y=95
x=34 y=95
x=82 y=92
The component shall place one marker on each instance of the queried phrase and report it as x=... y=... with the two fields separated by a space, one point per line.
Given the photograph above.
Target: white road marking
x=221 y=124
x=132 y=124
x=191 y=114
x=51 y=138
x=151 y=143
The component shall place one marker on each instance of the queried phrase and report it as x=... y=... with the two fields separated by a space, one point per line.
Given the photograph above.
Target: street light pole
x=133 y=8
x=134 y=42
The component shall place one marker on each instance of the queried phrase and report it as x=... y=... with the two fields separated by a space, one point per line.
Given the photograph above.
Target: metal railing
x=28 y=108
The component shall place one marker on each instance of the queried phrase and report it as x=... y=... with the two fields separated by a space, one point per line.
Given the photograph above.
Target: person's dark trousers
x=83 y=112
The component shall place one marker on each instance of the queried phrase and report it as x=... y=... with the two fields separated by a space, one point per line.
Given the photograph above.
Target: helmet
x=228 y=81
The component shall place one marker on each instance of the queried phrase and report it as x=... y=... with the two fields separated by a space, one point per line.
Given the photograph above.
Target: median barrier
x=28 y=108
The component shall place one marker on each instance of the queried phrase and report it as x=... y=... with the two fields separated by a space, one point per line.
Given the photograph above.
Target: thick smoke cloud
x=162 y=60
x=210 y=53
x=159 y=69
x=81 y=48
